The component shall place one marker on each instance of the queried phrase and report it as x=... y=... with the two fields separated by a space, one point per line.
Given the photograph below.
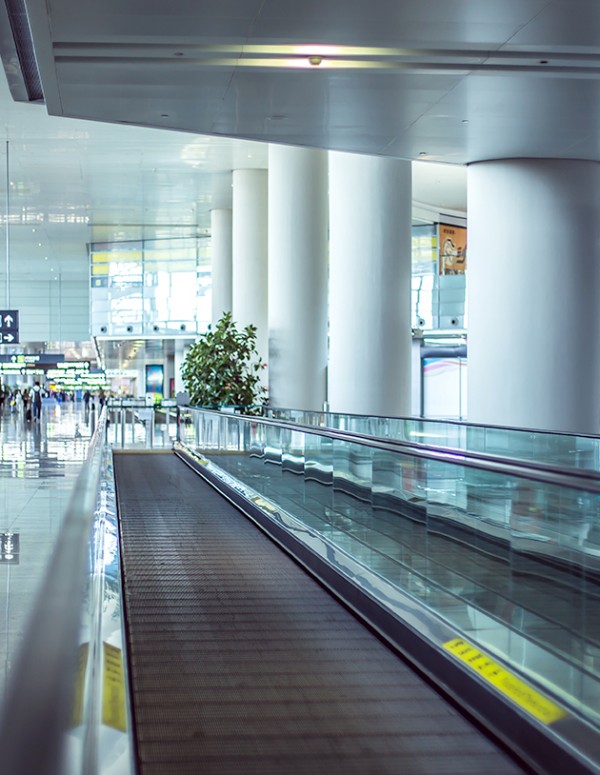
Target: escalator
x=240 y=662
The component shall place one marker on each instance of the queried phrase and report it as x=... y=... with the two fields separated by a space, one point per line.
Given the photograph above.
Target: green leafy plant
x=223 y=368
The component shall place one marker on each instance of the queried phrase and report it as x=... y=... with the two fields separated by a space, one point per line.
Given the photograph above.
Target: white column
x=221 y=248
x=141 y=382
x=169 y=367
x=369 y=297
x=250 y=265
x=298 y=217
x=178 y=359
x=533 y=294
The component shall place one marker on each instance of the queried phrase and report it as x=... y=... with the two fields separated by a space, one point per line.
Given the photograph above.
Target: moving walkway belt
x=241 y=663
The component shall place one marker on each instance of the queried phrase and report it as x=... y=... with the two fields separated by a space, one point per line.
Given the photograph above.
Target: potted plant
x=223 y=368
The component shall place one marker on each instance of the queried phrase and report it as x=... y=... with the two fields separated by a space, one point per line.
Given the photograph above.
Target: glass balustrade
x=552 y=449
x=510 y=561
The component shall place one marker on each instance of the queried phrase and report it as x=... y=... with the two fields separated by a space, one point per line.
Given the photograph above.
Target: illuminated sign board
x=48 y=358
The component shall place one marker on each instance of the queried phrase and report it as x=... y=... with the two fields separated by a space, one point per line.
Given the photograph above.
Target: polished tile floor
x=39 y=462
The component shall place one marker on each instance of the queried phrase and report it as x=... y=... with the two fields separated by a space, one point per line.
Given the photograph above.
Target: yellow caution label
x=264 y=504
x=113 y=689
x=77 y=710
x=517 y=690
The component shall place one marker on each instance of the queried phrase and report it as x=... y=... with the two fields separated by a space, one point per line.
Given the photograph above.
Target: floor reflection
x=39 y=462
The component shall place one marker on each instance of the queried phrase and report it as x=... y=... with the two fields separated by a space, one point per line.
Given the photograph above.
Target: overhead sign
x=114 y=373
x=9 y=326
x=74 y=365
x=37 y=358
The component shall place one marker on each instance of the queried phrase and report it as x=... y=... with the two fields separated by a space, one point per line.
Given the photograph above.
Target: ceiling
x=135 y=353
x=452 y=80
x=74 y=181
x=441 y=83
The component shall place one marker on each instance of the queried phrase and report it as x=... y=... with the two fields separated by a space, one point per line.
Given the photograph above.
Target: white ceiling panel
x=562 y=25
x=394 y=75
x=147 y=20
x=395 y=22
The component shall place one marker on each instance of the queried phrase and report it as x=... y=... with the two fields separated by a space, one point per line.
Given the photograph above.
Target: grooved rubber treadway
x=241 y=663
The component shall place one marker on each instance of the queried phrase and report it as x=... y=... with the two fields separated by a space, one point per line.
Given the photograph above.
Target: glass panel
x=511 y=564
x=553 y=449
x=155 y=283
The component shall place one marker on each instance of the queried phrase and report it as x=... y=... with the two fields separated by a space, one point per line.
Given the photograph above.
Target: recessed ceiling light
x=39 y=244
x=423 y=153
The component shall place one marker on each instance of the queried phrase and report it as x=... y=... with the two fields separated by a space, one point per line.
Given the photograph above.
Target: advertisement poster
x=453 y=249
x=155 y=377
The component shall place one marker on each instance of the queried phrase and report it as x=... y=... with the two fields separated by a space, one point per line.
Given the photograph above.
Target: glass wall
x=150 y=287
x=439 y=260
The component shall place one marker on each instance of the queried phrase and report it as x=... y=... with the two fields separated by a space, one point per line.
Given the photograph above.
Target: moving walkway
x=428 y=613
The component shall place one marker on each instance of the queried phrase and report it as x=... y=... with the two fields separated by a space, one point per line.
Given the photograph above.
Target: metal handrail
x=579 y=479
x=448 y=421
x=39 y=698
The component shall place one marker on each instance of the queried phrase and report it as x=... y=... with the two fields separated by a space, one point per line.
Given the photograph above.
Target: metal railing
x=134 y=424
x=42 y=688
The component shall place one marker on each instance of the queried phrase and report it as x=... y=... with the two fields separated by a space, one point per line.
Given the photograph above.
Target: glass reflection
x=530 y=445
x=39 y=463
x=512 y=564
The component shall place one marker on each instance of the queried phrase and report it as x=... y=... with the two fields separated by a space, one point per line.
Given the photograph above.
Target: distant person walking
x=37 y=401
x=26 y=397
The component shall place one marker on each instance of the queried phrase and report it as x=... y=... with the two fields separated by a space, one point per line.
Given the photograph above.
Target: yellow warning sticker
x=264 y=505
x=520 y=692
x=77 y=710
x=113 y=689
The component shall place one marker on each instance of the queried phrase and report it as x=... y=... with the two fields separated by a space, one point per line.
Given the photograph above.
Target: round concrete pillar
x=298 y=218
x=370 y=269
x=533 y=290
